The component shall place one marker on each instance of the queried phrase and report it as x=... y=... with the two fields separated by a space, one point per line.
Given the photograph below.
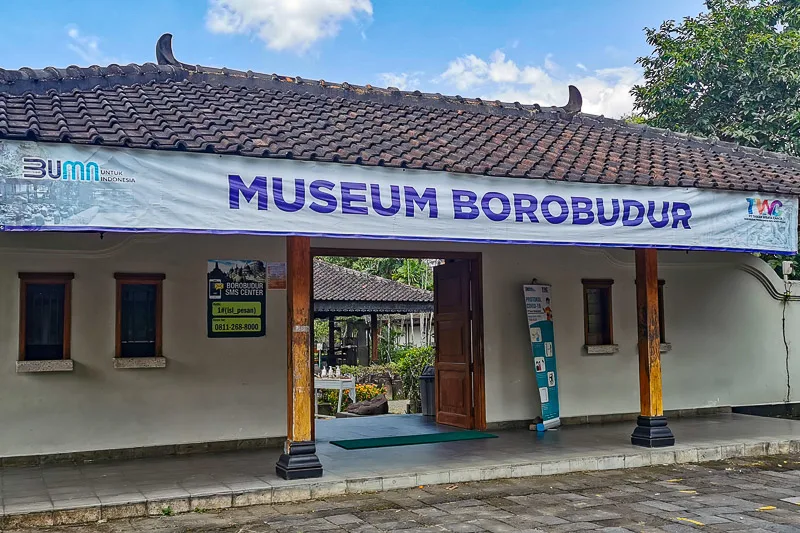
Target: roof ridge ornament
x=164 y=55
x=575 y=101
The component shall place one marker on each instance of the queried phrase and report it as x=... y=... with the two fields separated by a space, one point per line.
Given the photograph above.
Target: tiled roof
x=341 y=284
x=175 y=106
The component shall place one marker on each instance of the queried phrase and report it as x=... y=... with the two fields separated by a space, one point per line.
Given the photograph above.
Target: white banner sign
x=78 y=188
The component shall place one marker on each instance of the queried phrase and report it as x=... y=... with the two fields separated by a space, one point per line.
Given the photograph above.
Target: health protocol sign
x=542 y=337
x=236 y=298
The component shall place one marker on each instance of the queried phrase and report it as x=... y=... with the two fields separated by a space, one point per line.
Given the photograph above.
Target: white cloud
x=605 y=91
x=581 y=66
x=284 y=24
x=533 y=76
x=549 y=64
x=404 y=81
x=87 y=47
x=500 y=69
x=465 y=72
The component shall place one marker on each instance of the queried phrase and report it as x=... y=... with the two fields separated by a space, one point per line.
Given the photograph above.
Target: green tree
x=411 y=363
x=732 y=72
x=414 y=272
x=379 y=266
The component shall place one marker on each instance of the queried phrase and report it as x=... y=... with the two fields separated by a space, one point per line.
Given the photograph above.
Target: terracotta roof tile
x=174 y=106
x=341 y=284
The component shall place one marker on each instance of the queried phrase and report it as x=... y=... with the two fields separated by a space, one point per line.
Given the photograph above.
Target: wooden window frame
x=598 y=284
x=46 y=278
x=157 y=280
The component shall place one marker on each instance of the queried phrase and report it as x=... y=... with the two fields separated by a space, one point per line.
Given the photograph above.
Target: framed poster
x=236 y=292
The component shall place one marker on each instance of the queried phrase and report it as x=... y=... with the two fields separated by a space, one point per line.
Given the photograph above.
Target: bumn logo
x=35 y=168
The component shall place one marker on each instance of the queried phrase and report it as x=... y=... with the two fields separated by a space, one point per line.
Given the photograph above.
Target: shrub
x=389 y=349
x=368 y=391
x=363 y=371
x=331 y=396
x=411 y=363
x=349 y=370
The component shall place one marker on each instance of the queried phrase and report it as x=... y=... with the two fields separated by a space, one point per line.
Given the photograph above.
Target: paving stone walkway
x=753 y=495
x=64 y=494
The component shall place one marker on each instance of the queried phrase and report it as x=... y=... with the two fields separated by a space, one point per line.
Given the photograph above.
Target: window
x=139 y=315
x=44 y=325
x=597 y=312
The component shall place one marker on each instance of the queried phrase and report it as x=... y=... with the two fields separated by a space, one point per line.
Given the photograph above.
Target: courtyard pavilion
x=344 y=292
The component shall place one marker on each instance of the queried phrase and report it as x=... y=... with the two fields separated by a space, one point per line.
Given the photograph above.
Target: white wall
x=212 y=389
x=724 y=327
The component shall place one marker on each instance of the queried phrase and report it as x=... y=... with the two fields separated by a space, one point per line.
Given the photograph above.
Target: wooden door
x=452 y=323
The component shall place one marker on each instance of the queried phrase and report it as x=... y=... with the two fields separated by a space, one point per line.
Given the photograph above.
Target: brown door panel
x=452 y=349
x=453 y=344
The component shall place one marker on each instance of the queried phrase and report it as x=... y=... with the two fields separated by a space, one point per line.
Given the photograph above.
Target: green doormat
x=408 y=440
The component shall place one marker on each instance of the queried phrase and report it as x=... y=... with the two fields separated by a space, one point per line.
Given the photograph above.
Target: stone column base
x=300 y=463
x=652 y=432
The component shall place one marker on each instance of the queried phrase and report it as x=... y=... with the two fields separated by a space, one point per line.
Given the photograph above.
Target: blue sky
x=507 y=49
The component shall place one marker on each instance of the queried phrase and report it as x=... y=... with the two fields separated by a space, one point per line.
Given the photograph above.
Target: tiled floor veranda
x=68 y=494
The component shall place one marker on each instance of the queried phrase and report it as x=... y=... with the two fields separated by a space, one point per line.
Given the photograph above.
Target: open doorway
x=380 y=317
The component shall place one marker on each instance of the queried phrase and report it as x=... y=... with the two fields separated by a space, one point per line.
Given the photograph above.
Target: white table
x=340 y=384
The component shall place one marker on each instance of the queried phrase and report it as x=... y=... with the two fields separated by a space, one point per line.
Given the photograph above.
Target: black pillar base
x=652 y=432
x=300 y=463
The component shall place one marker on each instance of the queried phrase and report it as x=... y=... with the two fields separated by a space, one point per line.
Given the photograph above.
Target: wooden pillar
x=331 y=339
x=299 y=459
x=651 y=426
x=375 y=332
